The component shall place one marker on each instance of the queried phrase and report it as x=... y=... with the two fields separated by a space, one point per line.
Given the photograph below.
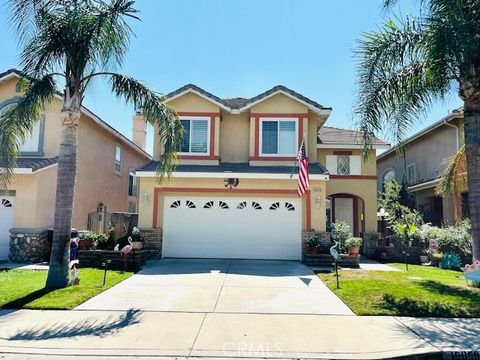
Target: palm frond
x=397 y=80
x=453 y=181
x=17 y=122
x=163 y=118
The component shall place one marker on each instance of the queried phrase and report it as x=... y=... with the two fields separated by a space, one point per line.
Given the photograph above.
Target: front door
x=344 y=212
x=7 y=216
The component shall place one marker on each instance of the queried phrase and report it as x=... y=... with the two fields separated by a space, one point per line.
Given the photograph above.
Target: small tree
x=340 y=233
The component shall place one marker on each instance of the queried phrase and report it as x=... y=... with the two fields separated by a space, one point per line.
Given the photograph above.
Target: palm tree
x=69 y=43
x=411 y=62
x=454 y=181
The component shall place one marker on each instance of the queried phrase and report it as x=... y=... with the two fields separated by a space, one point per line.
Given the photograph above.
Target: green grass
x=24 y=289
x=422 y=291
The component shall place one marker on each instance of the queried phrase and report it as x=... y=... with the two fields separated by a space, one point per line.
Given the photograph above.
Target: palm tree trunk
x=472 y=150
x=66 y=175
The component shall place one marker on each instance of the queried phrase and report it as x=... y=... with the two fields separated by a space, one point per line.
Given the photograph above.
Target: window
x=343 y=165
x=33 y=142
x=132 y=184
x=132 y=207
x=389 y=176
x=279 y=136
x=196 y=136
x=175 y=204
x=411 y=174
x=242 y=205
x=118 y=159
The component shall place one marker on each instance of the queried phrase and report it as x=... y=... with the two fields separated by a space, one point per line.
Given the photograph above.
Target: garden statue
x=75 y=276
x=127 y=249
x=472 y=272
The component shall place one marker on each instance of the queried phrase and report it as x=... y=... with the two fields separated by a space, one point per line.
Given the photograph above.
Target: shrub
x=353 y=242
x=458 y=240
x=340 y=233
x=313 y=242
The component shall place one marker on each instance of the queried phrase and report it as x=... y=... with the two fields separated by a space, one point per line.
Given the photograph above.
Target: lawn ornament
x=336 y=259
x=472 y=272
x=75 y=275
x=127 y=249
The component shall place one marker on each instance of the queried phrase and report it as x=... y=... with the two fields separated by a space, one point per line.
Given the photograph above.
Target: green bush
x=340 y=232
x=457 y=239
x=353 y=242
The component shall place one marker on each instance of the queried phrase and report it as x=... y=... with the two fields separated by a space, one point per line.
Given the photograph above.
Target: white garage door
x=7 y=214
x=235 y=228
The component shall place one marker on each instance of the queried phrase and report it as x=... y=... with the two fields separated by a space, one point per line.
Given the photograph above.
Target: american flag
x=303 y=182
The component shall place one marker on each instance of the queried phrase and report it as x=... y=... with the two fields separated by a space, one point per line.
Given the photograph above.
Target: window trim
x=278 y=120
x=118 y=172
x=209 y=136
x=131 y=172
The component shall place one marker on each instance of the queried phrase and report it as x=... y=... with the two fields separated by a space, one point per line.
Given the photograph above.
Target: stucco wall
x=96 y=157
x=148 y=185
x=427 y=152
x=363 y=188
x=96 y=181
x=234 y=139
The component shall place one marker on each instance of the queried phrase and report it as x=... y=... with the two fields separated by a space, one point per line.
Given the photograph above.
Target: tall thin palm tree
x=454 y=181
x=409 y=63
x=68 y=43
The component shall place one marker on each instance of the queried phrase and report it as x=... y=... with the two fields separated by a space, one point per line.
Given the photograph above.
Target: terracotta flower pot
x=354 y=250
x=312 y=250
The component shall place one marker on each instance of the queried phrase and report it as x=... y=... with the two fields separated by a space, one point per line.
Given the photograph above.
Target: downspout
x=457 y=142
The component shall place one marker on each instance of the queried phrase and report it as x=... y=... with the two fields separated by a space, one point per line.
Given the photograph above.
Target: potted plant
x=340 y=233
x=353 y=245
x=100 y=242
x=312 y=245
x=86 y=240
x=137 y=239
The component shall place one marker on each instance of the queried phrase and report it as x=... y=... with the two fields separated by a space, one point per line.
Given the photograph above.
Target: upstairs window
x=33 y=142
x=411 y=174
x=344 y=164
x=279 y=136
x=196 y=136
x=117 y=167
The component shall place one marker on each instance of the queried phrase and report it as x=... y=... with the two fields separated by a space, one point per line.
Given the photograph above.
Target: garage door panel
x=232 y=228
x=7 y=215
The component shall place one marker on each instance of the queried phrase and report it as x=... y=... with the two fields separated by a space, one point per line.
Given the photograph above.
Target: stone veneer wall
x=28 y=245
x=323 y=236
x=153 y=241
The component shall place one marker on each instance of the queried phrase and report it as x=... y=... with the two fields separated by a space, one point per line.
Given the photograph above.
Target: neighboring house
x=426 y=154
x=232 y=194
x=105 y=174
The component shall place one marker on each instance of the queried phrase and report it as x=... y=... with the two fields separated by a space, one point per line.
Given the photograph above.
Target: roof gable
x=238 y=105
x=330 y=136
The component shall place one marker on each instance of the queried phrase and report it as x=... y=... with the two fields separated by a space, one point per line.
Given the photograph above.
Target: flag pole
x=296 y=158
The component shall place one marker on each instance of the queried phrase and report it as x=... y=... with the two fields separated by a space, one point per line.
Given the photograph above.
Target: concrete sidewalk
x=127 y=334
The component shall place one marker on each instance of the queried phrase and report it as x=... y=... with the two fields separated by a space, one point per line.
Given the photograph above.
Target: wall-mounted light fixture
x=318 y=197
x=146 y=198
x=231 y=182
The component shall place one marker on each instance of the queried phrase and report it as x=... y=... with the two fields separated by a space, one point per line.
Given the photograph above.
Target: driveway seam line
x=196 y=336
x=223 y=284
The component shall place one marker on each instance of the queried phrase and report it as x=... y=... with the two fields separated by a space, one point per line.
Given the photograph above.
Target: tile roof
x=35 y=163
x=237 y=103
x=333 y=135
x=314 y=169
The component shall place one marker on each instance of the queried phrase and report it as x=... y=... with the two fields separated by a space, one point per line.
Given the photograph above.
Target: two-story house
x=425 y=156
x=233 y=194
x=106 y=164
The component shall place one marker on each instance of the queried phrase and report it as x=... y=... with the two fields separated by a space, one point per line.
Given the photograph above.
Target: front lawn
x=24 y=289
x=422 y=291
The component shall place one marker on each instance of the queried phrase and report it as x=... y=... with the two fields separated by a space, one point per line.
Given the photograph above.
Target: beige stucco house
x=232 y=194
x=106 y=164
x=425 y=155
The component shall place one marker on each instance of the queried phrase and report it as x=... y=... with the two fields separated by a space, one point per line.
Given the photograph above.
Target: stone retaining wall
x=28 y=245
x=153 y=241
x=95 y=258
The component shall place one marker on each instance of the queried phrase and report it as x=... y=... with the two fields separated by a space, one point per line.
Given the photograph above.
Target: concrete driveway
x=222 y=286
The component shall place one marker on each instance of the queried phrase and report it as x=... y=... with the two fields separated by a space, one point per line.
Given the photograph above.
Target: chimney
x=139 y=131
